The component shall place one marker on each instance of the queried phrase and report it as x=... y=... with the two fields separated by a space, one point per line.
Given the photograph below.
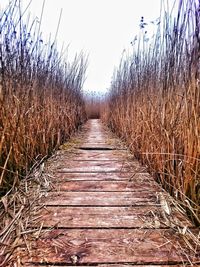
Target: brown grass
x=93 y=103
x=41 y=102
x=154 y=104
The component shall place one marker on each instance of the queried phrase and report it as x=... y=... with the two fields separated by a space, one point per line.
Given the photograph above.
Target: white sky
x=101 y=28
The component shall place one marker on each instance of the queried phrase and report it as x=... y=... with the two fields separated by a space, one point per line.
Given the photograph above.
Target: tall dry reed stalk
x=93 y=104
x=154 y=104
x=41 y=102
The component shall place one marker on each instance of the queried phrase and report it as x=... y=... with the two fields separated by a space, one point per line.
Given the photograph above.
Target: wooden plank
x=113 y=265
x=98 y=198
x=98 y=155
x=99 y=166
x=97 y=146
x=107 y=246
x=100 y=140
x=98 y=217
x=100 y=176
x=79 y=154
x=121 y=164
x=99 y=135
x=105 y=186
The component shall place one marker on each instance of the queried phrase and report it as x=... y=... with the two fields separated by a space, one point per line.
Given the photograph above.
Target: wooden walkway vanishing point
x=104 y=209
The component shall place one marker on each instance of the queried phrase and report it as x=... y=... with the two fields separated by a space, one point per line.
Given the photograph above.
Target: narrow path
x=105 y=210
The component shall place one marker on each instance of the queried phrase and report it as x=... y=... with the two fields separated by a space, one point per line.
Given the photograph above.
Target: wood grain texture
x=103 y=186
x=107 y=246
x=99 y=198
x=107 y=217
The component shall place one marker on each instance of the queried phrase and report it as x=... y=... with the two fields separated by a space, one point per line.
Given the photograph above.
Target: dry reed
x=93 y=103
x=154 y=103
x=41 y=101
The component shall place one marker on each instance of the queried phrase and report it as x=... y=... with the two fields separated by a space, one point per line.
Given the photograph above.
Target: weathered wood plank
x=107 y=246
x=100 y=176
x=99 y=166
x=97 y=146
x=112 y=265
x=100 y=146
x=99 y=198
x=99 y=155
x=98 y=217
x=100 y=141
x=93 y=169
x=105 y=186
x=118 y=163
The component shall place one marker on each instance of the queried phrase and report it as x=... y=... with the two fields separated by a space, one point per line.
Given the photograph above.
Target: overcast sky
x=101 y=28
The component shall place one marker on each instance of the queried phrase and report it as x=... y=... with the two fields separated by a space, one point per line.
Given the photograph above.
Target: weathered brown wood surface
x=104 y=210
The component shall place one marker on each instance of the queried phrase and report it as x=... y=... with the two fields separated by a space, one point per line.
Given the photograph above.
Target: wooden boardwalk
x=105 y=210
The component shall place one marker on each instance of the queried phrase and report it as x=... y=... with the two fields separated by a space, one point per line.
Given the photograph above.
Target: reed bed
x=154 y=103
x=41 y=101
x=93 y=103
